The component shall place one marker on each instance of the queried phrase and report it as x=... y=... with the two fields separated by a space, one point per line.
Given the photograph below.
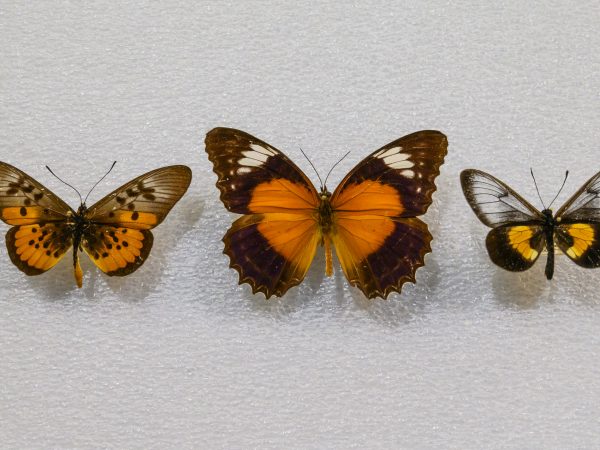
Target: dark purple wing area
x=243 y=162
x=409 y=164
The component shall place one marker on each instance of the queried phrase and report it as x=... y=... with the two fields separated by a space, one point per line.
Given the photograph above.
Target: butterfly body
x=114 y=232
x=369 y=219
x=520 y=232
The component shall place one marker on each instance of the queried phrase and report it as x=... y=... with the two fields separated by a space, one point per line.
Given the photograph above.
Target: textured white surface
x=179 y=355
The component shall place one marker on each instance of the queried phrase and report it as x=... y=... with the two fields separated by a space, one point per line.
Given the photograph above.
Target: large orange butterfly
x=370 y=218
x=114 y=232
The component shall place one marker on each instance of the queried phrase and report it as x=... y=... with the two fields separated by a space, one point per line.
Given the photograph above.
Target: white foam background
x=179 y=355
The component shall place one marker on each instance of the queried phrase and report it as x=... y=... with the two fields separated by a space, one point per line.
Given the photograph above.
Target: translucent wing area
x=584 y=205
x=515 y=248
x=273 y=251
x=379 y=254
x=145 y=201
x=493 y=202
x=580 y=242
x=254 y=177
x=402 y=172
x=36 y=248
x=24 y=201
x=117 y=251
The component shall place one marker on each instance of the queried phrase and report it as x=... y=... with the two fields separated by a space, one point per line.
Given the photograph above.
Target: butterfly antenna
x=560 y=190
x=331 y=170
x=536 y=188
x=314 y=168
x=64 y=182
x=98 y=182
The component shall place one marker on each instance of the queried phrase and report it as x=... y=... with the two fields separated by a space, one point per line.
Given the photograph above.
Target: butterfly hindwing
x=145 y=201
x=379 y=254
x=117 y=251
x=515 y=247
x=580 y=242
x=379 y=241
x=273 y=251
x=34 y=249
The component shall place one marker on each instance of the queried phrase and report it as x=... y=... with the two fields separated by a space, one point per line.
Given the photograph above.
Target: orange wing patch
x=280 y=195
x=367 y=233
x=117 y=251
x=34 y=249
x=22 y=215
x=135 y=219
x=369 y=197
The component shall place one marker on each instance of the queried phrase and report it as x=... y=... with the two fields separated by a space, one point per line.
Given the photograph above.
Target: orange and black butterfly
x=370 y=219
x=114 y=232
x=520 y=232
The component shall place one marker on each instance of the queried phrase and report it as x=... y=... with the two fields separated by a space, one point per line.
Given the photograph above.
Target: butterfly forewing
x=145 y=201
x=494 y=202
x=584 y=205
x=24 y=201
x=379 y=241
x=254 y=177
x=399 y=176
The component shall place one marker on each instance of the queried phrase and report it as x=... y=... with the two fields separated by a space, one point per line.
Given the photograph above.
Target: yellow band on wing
x=519 y=239
x=583 y=238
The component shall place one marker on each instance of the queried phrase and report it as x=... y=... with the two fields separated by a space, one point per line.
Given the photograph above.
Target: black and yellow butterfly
x=370 y=219
x=520 y=232
x=114 y=232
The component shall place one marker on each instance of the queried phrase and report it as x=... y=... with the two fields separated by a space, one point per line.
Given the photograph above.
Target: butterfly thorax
x=79 y=221
x=325 y=212
x=549 y=220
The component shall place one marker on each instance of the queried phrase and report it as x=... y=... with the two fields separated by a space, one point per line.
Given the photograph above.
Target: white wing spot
x=399 y=161
x=255 y=155
x=243 y=170
x=408 y=173
x=389 y=152
x=250 y=162
x=260 y=149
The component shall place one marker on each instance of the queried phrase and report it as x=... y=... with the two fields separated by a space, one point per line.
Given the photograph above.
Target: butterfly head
x=324 y=194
